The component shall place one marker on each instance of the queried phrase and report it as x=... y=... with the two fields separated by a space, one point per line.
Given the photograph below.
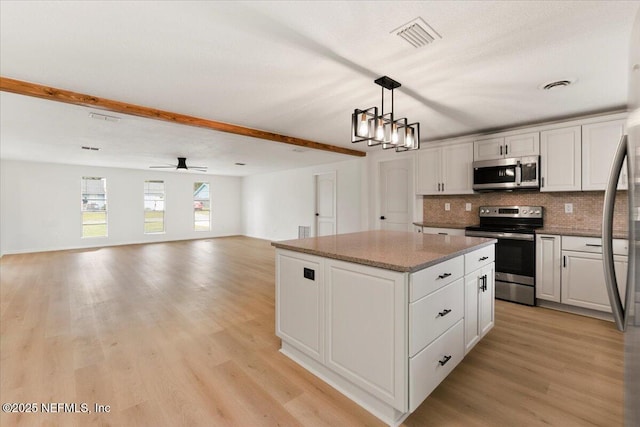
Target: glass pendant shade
x=411 y=138
x=363 y=124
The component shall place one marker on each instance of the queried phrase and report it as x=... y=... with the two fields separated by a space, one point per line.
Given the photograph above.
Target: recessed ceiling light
x=84 y=147
x=240 y=164
x=558 y=84
x=104 y=117
x=299 y=150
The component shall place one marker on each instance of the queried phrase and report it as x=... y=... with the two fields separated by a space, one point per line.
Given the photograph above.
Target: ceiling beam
x=69 y=97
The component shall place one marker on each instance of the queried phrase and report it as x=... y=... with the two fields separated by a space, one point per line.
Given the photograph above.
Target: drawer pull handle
x=444 y=312
x=444 y=360
x=483 y=258
x=444 y=276
x=593 y=246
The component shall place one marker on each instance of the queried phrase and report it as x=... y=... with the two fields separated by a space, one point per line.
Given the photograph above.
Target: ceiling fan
x=182 y=164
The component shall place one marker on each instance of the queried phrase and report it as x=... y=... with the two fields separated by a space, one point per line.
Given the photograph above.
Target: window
x=94 y=207
x=201 y=207
x=153 y=207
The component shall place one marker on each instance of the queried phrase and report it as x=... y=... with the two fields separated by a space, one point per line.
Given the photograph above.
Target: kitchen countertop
x=582 y=232
x=438 y=225
x=392 y=250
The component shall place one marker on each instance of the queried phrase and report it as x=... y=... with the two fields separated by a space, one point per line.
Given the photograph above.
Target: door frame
x=411 y=188
x=334 y=175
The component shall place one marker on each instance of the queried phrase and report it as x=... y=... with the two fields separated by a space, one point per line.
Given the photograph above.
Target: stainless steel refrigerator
x=627 y=313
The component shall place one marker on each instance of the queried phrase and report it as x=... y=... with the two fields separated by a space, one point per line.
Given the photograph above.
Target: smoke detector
x=417 y=33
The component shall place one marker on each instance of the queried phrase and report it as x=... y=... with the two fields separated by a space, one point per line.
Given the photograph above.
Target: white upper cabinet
x=527 y=144
x=599 y=143
x=560 y=165
x=445 y=170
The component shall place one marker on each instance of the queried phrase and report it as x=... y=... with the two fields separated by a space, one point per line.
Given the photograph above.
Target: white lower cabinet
x=548 y=263
x=430 y=366
x=569 y=271
x=479 y=291
x=300 y=302
x=583 y=283
x=384 y=338
x=365 y=328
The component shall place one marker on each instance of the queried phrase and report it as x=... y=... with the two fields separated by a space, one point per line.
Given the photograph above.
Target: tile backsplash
x=587 y=208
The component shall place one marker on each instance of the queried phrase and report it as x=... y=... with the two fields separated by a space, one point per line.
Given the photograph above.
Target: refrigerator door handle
x=619 y=312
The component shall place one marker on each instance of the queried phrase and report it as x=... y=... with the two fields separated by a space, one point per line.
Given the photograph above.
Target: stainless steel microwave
x=518 y=173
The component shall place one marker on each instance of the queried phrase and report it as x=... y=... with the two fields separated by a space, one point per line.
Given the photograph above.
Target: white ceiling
x=298 y=69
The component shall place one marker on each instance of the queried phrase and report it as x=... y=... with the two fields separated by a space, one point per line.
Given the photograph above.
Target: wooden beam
x=69 y=97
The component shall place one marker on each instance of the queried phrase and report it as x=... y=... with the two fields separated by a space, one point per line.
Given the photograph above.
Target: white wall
x=40 y=206
x=275 y=204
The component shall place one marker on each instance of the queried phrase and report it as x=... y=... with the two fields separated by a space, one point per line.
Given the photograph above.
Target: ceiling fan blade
x=162 y=167
x=198 y=169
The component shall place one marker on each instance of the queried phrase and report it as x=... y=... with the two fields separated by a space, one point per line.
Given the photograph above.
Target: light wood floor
x=182 y=334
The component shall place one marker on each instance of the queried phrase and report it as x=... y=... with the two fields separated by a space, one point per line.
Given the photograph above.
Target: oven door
x=516 y=260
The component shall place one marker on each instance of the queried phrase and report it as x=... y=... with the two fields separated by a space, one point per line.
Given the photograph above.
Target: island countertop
x=391 y=250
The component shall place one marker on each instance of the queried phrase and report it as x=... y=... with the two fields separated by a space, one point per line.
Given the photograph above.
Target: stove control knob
x=525 y=211
x=537 y=212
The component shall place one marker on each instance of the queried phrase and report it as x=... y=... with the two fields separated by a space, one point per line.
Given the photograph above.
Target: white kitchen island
x=383 y=316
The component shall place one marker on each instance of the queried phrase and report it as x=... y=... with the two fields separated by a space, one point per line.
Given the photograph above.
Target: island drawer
x=479 y=258
x=428 y=368
x=424 y=282
x=432 y=315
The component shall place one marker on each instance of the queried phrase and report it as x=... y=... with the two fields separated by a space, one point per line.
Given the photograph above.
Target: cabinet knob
x=383 y=217
x=444 y=360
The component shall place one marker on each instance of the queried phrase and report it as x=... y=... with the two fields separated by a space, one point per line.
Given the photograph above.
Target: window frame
x=85 y=201
x=153 y=200
x=199 y=199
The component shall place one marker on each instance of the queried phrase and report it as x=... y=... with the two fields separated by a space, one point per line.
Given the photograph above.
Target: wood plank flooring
x=182 y=334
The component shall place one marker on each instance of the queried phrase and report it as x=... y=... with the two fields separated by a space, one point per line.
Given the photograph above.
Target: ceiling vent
x=417 y=33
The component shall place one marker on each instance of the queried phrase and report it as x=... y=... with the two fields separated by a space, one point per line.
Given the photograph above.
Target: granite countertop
x=391 y=250
x=439 y=225
x=582 y=232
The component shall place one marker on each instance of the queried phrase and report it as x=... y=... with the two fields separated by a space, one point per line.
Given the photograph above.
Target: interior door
x=395 y=208
x=325 y=204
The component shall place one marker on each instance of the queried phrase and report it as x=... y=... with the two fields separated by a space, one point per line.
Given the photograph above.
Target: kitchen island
x=383 y=316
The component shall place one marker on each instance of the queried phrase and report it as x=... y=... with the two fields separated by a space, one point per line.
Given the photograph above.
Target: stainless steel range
x=514 y=228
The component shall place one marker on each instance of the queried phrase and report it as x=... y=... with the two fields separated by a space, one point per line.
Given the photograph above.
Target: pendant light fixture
x=380 y=128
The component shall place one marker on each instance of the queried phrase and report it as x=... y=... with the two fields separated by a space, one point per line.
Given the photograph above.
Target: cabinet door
x=583 y=282
x=599 y=143
x=488 y=149
x=472 y=284
x=300 y=308
x=561 y=159
x=457 y=170
x=428 y=177
x=527 y=144
x=366 y=324
x=548 y=267
x=486 y=300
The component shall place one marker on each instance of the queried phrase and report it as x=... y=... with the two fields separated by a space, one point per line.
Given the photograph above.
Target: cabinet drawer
x=430 y=316
x=428 y=368
x=479 y=258
x=593 y=245
x=423 y=282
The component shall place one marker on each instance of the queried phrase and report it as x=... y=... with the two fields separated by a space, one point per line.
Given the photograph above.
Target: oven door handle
x=509 y=236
